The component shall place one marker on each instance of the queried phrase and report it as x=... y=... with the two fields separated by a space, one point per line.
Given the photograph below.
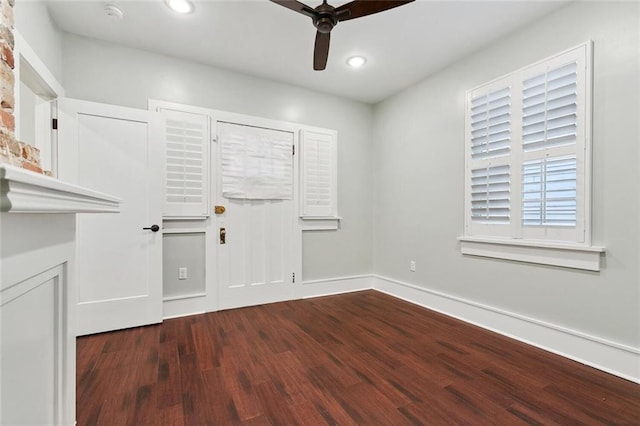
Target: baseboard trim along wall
x=611 y=357
x=175 y=307
x=327 y=287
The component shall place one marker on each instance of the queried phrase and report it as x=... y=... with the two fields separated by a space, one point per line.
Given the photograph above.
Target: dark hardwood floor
x=360 y=358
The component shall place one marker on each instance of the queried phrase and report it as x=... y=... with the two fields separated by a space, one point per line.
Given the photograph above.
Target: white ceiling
x=260 y=38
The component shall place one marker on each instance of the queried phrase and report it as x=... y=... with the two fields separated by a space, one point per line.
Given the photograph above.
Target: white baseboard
x=327 y=287
x=612 y=357
x=181 y=307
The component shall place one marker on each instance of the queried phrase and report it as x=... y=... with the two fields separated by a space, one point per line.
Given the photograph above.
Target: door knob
x=153 y=228
x=223 y=236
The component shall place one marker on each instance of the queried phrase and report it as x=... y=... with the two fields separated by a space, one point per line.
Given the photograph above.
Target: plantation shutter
x=491 y=124
x=553 y=139
x=528 y=164
x=490 y=194
x=549 y=115
x=549 y=192
x=187 y=164
x=489 y=155
x=318 y=162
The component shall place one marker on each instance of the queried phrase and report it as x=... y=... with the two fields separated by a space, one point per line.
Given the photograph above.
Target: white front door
x=255 y=252
x=111 y=149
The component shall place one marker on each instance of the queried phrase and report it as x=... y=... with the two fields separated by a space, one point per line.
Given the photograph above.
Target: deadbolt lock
x=223 y=235
x=219 y=209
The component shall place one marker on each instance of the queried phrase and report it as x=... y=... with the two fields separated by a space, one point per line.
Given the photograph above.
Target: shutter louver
x=491 y=124
x=318 y=175
x=549 y=192
x=490 y=194
x=186 y=167
x=550 y=108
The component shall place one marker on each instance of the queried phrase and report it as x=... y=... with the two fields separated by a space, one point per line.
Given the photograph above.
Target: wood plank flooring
x=361 y=358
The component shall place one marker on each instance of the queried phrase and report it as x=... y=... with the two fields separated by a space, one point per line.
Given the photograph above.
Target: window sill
x=545 y=253
x=317 y=223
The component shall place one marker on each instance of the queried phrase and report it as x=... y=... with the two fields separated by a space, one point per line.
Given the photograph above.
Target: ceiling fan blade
x=296 y=6
x=321 y=51
x=358 y=8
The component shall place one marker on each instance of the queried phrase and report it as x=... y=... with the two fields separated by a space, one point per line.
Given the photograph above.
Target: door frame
x=284 y=126
x=210 y=302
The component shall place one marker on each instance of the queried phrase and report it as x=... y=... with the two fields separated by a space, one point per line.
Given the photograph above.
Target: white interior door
x=255 y=262
x=111 y=149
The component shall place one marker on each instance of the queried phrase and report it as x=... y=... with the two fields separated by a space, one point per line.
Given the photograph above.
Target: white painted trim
x=566 y=255
x=23 y=191
x=184 y=306
x=185 y=218
x=227 y=116
x=611 y=357
x=331 y=286
x=22 y=49
x=45 y=85
x=183 y=296
x=319 y=223
x=63 y=358
x=183 y=231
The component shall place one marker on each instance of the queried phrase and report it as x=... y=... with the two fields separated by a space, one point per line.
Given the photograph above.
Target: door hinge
x=294 y=277
x=293 y=150
x=54 y=124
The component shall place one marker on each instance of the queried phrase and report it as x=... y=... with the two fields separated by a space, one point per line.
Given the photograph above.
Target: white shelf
x=23 y=191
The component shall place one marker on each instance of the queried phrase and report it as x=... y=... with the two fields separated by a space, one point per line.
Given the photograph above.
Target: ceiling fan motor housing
x=325 y=18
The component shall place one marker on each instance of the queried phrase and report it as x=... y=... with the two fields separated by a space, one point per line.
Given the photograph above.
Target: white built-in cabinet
x=38 y=294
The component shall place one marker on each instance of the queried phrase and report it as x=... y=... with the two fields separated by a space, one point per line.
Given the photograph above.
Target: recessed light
x=356 y=61
x=180 y=6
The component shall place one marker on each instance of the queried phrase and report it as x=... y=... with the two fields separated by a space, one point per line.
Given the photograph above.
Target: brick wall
x=11 y=151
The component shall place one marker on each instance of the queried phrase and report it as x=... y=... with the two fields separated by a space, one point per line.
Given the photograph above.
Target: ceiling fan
x=325 y=17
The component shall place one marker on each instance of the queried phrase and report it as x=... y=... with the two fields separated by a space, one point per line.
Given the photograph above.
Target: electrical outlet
x=182 y=273
x=412 y=266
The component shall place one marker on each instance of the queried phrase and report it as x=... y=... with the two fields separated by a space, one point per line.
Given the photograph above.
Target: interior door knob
x=153 y=228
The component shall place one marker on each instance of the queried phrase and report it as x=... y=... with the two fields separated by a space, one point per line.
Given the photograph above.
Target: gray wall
x=188 y=251
x=36 y=27
x=419 y=160
x=112 y=74
x=414 y=167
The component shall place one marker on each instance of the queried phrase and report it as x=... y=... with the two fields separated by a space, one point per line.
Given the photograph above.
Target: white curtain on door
x=256 y=163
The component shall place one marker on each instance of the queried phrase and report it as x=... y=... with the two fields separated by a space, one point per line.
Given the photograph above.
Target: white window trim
x=541 y=252
x=565 y=254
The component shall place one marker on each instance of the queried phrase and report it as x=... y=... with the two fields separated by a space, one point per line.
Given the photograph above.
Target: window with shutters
x=187 y=164
x=528 y=157
x=318 y=165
